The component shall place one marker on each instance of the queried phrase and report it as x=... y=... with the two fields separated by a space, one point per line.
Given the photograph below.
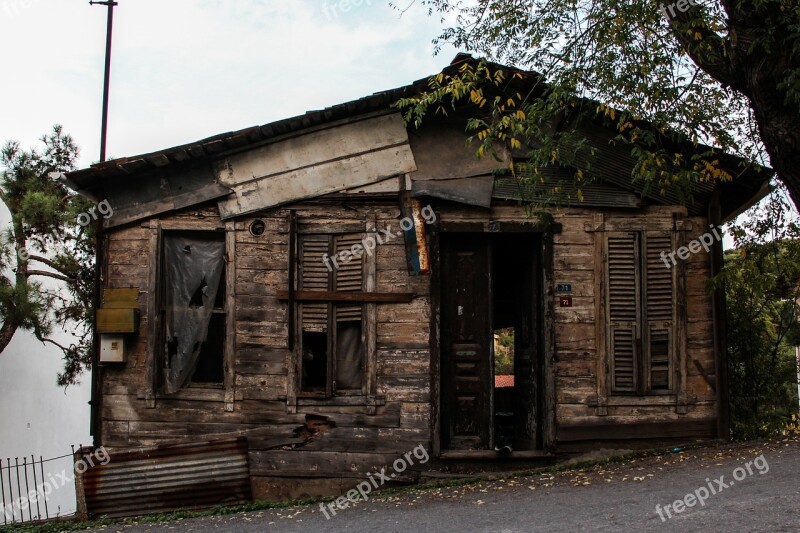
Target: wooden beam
x=495 y=226
x=719 y=317
x=230 y=322
x=600 y=315
x=435 y=349
x=350 y=296
x=292 y=268
x=681 y=319
x=371 y=333
x=153 y=317
x=549 y=343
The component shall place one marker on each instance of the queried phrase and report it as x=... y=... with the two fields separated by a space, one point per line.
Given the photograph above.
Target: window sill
x=342 y=400
x=633 y=400
x=195 y=393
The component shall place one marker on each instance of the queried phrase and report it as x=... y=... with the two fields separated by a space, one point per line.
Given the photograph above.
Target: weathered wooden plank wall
x=346 y=439
x=334 y=440
x=576 y=337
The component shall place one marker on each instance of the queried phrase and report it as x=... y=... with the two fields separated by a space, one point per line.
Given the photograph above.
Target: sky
x=181 y=71
x=184 y=70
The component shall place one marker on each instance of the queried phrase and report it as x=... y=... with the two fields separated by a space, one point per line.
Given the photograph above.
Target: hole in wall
x=257 y=228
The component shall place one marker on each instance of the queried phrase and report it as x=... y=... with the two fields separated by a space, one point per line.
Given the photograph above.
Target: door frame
x=547 y=323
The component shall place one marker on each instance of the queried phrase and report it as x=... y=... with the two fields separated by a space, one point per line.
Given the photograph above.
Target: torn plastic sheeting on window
x=193 y=268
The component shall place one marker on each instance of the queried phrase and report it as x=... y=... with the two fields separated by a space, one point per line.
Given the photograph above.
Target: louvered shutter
x=348 y=277
x=314 y=276
x=659 y=298
x=623 y=309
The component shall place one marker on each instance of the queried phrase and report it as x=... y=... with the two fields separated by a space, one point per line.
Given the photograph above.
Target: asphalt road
x=616 y=497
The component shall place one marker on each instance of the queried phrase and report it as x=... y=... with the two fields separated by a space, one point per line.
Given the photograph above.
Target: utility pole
x=94 y=424
x=107 y=80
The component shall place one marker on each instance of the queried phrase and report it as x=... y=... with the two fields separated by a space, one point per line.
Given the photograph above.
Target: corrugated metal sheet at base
x=168 y=478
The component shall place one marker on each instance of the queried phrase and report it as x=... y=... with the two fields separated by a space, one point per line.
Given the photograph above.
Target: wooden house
x=330 y=286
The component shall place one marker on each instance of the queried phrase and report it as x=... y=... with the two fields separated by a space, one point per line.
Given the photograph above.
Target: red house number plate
x=565 y=301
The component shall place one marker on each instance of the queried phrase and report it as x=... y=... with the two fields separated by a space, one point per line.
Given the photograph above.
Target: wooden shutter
x=314 y=276
x=623 y=284
x=348 y=277
x=659 y=298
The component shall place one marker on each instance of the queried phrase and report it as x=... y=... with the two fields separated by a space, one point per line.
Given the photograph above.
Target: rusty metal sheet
x=167 y=478
x=470 y=191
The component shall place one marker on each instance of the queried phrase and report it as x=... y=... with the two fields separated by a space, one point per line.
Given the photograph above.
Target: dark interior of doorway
x=515 y=316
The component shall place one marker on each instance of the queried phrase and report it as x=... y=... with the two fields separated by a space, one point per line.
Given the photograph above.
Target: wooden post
x=230 y=317
x=600 y=315
x=720 y=325
x=371 y=333
x=681 y=317
x=153 y=318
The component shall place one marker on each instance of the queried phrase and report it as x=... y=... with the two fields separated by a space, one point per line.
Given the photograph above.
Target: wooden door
x=466 y=370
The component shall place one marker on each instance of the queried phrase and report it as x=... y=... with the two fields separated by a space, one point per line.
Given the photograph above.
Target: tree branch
x=45 y=339
x=48 y=262
x=710 y=52
x=6 y=334
x=47 y=274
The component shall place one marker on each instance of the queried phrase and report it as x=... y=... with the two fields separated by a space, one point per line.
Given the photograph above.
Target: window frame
x=641 y=326
x=154 y=391
x=330 y=391
x=368 y=402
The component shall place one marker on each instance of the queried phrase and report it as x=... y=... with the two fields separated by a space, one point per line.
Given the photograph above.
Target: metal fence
x=27 y=486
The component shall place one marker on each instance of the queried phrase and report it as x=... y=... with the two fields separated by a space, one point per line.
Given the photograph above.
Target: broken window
x=331 y=332
x=640 y=312
x=193 y=308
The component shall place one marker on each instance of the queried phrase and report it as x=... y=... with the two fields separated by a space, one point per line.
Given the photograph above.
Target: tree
x=724 y=73
x=762 y=285
x=46 y=257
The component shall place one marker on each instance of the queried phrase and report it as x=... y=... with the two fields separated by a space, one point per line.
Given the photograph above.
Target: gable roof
x=615 y=162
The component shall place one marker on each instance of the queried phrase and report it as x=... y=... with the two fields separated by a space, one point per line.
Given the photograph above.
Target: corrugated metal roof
x=167 y=478
x=557 y=186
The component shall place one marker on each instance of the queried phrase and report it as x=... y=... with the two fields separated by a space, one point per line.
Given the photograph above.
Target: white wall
x=36 y=415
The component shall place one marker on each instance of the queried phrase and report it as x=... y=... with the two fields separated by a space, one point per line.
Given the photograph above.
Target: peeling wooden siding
x=262 y=360
x=344 y=440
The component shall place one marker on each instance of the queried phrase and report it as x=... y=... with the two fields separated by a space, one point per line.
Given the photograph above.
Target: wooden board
x=315 y=164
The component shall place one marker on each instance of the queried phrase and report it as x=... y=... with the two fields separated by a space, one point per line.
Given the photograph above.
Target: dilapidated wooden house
x=330 y=287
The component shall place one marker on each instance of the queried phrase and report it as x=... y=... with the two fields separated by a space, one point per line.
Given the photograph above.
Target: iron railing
x=26 y=484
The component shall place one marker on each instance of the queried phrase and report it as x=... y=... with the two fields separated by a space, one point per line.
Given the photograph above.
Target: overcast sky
x=182 y=70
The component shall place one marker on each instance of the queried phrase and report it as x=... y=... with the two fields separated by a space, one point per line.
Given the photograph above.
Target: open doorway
x=491 y=370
